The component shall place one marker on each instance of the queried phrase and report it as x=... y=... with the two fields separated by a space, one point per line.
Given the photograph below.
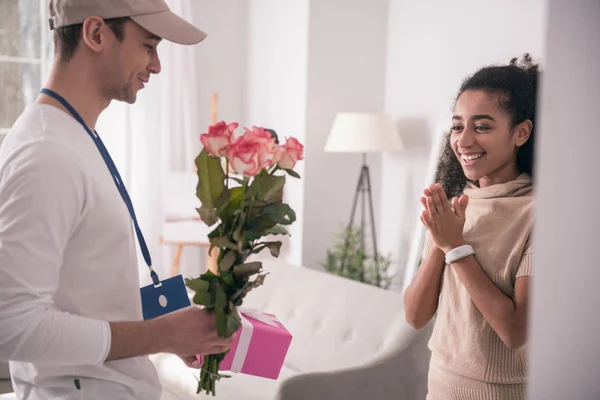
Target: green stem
x=227 y=173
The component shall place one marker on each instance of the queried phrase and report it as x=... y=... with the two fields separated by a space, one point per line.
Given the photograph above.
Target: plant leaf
x=228 y=261
x=233 y=323
x=202 y=289
x=268 y=188
x=243 y=271
x=224 y=199
x=208 y=215
x=223 y=242
x=277 y=230
x=293 y=173
x=274 y=248
x=281 y=213
x=211 y=179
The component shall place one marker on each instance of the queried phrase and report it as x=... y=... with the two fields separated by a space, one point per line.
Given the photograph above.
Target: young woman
x=477 y=257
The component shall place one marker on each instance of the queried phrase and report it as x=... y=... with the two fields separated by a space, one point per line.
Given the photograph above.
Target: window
x=26 y=52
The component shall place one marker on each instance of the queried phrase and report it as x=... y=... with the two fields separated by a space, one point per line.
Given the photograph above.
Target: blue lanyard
x=115 y=175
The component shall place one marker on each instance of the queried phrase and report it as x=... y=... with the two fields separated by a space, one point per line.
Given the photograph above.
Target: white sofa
x=350 y=342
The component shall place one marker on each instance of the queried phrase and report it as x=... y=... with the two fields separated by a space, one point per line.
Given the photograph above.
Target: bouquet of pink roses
x=245 y=201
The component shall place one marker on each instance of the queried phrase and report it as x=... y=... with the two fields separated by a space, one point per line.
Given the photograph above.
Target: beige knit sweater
x=499 y=222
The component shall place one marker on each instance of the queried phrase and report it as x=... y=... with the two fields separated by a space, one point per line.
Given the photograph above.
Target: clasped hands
x=444 y=219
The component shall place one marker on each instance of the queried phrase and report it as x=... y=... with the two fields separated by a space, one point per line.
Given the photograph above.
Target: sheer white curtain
x=154 y=136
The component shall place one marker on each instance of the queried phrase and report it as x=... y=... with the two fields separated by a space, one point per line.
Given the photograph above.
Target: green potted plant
x=348 y=258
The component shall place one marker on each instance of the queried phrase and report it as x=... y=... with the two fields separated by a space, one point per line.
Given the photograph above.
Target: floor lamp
x=363 y=133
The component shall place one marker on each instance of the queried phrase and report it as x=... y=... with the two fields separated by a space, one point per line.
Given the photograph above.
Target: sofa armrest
x=401 y=374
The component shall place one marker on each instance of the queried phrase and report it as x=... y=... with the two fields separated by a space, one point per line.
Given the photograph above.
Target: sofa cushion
x=335 y=322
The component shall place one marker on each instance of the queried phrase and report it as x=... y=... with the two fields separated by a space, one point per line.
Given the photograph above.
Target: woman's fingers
x=427 y=220
x=431 y=207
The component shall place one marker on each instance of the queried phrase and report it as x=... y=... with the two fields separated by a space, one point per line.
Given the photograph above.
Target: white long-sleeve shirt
x=67 y=265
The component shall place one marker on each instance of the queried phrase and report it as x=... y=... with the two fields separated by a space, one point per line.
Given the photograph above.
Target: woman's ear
x=523 y=132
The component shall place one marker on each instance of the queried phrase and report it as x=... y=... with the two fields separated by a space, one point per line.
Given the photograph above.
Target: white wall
x=346 y=66
x=565 y=351
x=275 y=73
x=221 y=58
x=431 y=49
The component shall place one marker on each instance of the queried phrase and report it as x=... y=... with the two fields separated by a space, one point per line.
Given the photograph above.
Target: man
x=70 y=310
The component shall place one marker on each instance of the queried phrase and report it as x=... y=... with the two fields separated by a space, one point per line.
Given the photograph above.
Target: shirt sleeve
x=42 y=195
x=525 y=267
x=526 y=264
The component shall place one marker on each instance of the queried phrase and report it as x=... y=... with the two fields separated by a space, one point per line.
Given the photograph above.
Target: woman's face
x=483 y=139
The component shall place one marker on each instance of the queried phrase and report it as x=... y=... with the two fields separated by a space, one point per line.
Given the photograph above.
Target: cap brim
x=171 y=27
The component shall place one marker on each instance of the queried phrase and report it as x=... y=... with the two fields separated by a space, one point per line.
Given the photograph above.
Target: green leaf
x=268 y=188
x=281 y=213
x=197 y=285
x=256 y=227
x=211 y=179
x=215 y=232
x=202 y=289
x=224 y=199
x=227 y=261
x=293 y=173
x=274 y=248
x=223 y=242
x=236 y=195
x=243 y=271
x=227 y=278
x=220 y=298
x=234 y=322
x=277 y=230
x=208 y=215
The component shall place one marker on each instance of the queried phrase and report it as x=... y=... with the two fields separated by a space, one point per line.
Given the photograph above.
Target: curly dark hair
x=516 y=84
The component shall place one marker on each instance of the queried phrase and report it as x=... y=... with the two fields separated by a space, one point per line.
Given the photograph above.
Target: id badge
x=170 y=295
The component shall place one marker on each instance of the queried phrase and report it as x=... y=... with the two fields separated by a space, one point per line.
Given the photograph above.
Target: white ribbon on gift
x=246 y=334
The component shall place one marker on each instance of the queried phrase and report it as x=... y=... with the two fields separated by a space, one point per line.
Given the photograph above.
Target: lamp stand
x=363 y=190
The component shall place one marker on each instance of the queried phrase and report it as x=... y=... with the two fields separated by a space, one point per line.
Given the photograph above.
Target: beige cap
x=153 y=15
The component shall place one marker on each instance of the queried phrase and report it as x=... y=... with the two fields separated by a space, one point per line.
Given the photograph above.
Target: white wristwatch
x=458 y=253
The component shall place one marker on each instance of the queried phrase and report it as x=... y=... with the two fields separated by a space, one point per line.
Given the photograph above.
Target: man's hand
x=191 y=361
x=192 y=331
x=445 y=220
x=189 y=331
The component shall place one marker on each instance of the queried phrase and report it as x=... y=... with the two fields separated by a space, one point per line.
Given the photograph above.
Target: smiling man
x=70 y=311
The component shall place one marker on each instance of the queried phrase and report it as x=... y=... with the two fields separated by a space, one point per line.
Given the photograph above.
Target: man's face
x=130 y=62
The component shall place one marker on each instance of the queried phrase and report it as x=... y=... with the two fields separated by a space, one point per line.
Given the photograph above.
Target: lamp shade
x=363 y=133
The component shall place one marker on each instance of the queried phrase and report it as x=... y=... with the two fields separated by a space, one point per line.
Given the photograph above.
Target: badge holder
x=164 y=297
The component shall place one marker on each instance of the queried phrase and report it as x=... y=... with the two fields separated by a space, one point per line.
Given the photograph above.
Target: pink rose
x=289 y=154
x=268 y=147
x=218 y=138
x=244 y=156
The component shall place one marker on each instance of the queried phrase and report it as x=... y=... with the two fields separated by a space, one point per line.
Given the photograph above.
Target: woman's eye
x=455 y=128
x=149 y=47
x=482 y=128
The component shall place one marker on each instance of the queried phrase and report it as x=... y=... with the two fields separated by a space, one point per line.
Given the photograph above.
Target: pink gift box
x=259 y=347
